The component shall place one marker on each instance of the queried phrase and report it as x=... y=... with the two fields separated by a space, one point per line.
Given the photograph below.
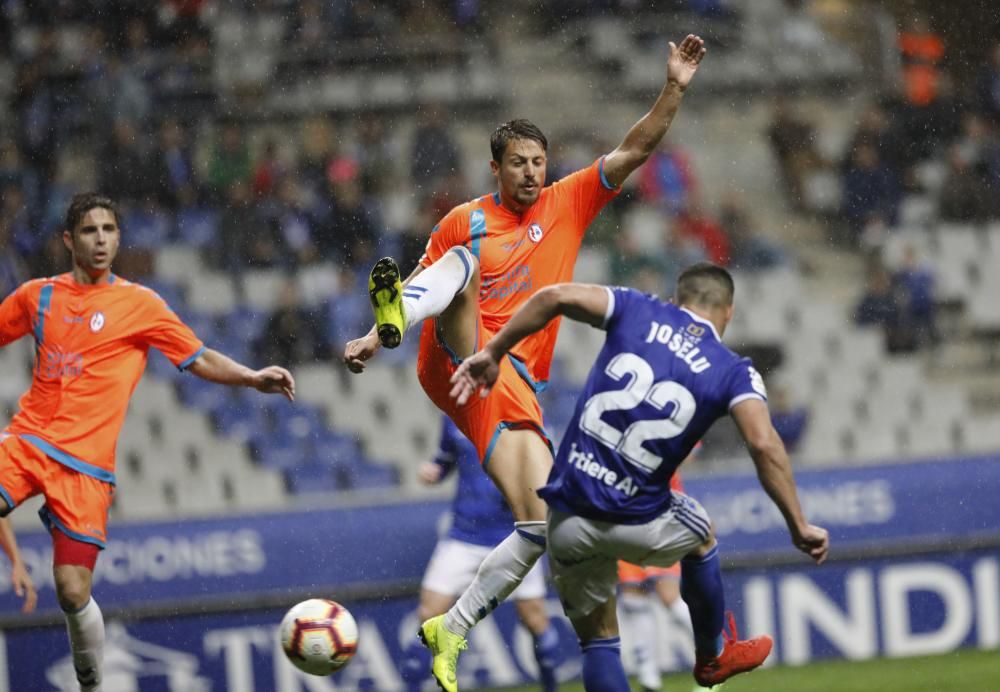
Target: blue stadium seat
x=145 y=229
x=312 y=478
x=197 y=227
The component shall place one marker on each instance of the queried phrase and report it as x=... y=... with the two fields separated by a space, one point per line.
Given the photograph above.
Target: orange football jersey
x=519 y=254
x=91 y=346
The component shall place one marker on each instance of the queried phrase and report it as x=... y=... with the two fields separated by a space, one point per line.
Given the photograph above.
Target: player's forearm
x=8 y=542
x=540 y=309
x=221 y=369
x=775 y=474
x=649 y=131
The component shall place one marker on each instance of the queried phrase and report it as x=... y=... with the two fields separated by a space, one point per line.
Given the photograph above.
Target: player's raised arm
x=645 y=135
x=24 y=587
x=775 y=473
x=581 y=302
x=221 y=369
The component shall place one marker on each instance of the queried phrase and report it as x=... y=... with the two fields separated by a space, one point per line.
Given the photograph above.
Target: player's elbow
x=764 y=444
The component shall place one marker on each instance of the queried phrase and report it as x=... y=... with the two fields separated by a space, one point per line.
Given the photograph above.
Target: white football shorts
x=584 y=553
x=454 y=564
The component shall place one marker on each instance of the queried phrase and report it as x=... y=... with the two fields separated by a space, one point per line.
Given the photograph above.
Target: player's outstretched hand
x=429 y=473
x=275 y=380
x=24 y=587
x=814 y=541
x=684 y=60
x=478 y=370
x=356 y=352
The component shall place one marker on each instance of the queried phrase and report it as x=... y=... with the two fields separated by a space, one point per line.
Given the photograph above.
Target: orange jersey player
x=483 y=261
x=92 y=332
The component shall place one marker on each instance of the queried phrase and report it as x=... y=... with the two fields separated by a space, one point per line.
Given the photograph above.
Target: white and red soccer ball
x=319 y=636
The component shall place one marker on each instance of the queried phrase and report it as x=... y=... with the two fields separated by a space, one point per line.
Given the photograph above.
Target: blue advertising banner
x=389 y=545
x=899 y=607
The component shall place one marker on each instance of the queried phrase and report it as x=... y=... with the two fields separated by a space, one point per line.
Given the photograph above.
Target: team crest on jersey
x=534 y=232
x=97 y=322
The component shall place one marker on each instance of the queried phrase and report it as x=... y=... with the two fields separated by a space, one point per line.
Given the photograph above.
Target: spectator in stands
x=174 y=174
x=267 y=170
x=308 y=32
x=34 y=104
x=13 y=271
x=748 y=250
x=290 y=224
x=680 y=252
x=244 y=237
x=292 y=332
x=230 y=161
x=914 y=289
x=345 y=228
x=126 y=166
x=23 y=237
x=117 y=92
x=880 y=306
x=793 y=141
x=695 y=224
x=988 y=86
x=667 y=179
x=878 y=130
x=870 y=192
x=964 y=195
x=318 y=144
x=790 y=419
x=435 y=154
x=921 y=50
x=376 y=153
x=628 y=259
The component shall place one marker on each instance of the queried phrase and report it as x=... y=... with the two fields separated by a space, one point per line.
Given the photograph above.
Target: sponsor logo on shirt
x=97 y=322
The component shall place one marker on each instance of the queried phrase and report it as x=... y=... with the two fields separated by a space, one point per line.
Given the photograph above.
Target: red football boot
x=737 y=657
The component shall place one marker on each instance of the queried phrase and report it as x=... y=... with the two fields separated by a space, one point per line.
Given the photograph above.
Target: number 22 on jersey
x=641 y=387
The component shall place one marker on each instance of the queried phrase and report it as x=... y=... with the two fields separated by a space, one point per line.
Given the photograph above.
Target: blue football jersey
x=661 y=380
x=479 y=513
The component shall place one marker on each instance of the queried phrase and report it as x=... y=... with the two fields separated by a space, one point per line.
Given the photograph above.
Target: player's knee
x=703 y=549
x=534 y=533
x=470 y=263
x=72 y=590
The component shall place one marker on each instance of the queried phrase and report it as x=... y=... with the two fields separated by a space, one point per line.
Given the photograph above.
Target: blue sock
x=547 y=655
x=701 y=589
x=416 y=666
x=602 y=666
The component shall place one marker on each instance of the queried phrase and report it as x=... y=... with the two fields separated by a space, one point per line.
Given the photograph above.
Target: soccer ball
x=319 y=636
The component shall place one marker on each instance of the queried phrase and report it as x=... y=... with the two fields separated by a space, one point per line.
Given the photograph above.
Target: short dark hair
x=83 y=203
x=706 y=285
x=514 y=129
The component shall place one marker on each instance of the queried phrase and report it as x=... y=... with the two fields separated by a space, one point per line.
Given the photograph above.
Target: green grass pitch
x=962 y=671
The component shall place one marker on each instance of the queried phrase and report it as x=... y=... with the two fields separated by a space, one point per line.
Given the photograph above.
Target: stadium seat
x=197 y=227
x=213 y=294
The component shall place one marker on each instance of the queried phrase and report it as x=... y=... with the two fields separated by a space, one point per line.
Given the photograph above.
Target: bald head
x=705 y=286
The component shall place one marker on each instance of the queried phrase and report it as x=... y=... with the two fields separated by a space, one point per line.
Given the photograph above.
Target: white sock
x=498 y=575
x=86 y=641
x=433 y=289
x=679 y=614
x=639 y=619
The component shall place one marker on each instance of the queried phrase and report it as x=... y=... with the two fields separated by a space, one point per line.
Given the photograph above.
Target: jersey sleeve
x=586 y=192
x=744 y=382
x=15 y=315
x=167 y=333
x=452 y=230
x=621 y=300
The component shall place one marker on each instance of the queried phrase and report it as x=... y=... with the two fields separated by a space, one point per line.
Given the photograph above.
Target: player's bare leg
x=519 y=465
x=84 y=623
